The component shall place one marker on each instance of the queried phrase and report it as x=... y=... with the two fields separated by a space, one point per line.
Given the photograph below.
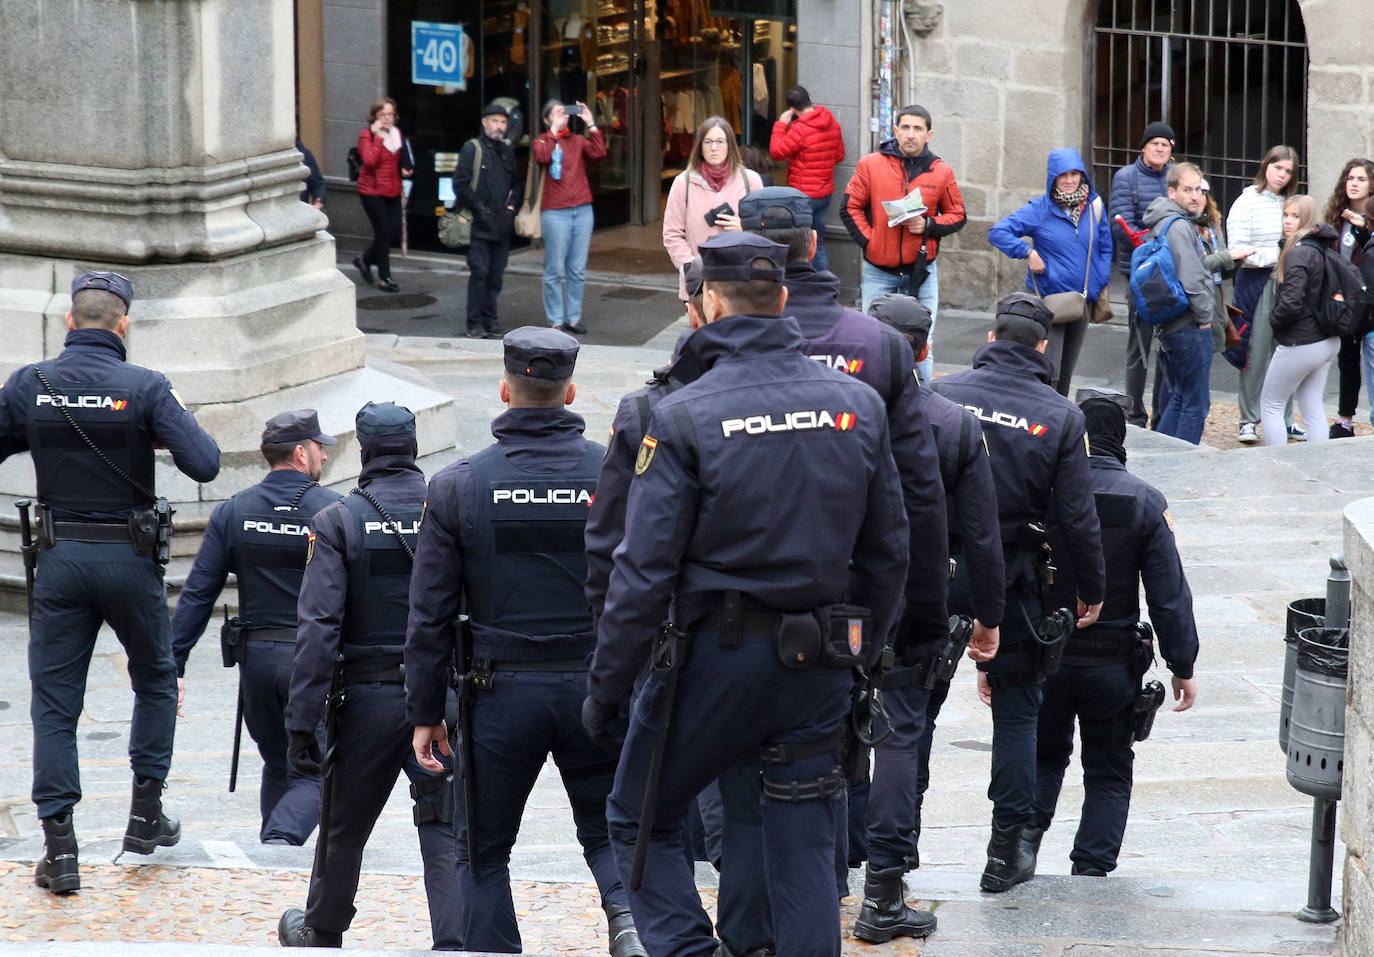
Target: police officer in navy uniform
x=92 y=568
x=882 y=815
x=757 y=486
x=354 y=600
x=975 y=537
x=261 y=535
x=503 y=540
x=1097 y=683
x=1039 y=460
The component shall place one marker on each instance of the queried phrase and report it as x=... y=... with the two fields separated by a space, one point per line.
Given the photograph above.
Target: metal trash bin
x=1303 y=613
x=1316 y=736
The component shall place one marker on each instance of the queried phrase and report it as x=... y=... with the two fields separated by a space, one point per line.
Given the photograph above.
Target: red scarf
x=716 y=176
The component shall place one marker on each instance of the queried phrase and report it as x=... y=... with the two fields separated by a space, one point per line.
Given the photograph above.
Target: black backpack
x=355 y=163
x=1345 y=302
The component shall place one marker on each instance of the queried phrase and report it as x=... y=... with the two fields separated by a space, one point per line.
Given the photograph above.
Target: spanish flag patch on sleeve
x=646 y=454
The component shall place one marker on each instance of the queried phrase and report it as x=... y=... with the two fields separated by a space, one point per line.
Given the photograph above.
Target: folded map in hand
x=908 y=207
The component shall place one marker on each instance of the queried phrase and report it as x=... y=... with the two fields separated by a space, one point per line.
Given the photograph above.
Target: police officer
x=91 y=421
x=975 y=538
x=349 y=648
x=503 y=539
x=261 y=536
x=1036 y=443
x=859 y=345
x=728 y=468
x=1103 y=663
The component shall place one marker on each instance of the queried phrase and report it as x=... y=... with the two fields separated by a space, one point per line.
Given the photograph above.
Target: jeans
x=486 y=270
x=877 y=282
x=1367 y=357
x=384 y=213
x=818 y=210
x=1297 y=372
x=1185 y=358
x=567 y=237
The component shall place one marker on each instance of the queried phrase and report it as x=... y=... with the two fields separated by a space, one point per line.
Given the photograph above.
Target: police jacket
x=1138 y=545
x=770 y=475
x=261 y=535
x=974 y=533
x=498 y=187
x=1038 y=450
x=502 y=541
x=125 y=409
x=356 y=588
x=873 y=352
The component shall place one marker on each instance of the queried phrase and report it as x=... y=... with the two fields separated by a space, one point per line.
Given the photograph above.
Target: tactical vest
x=1121 y=520
x=72 y=477
x=379 y=580
x=525 y=566
x=267 y=550
x=843 y=348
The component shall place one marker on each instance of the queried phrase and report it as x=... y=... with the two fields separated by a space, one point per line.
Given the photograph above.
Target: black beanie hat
x=1155 y=130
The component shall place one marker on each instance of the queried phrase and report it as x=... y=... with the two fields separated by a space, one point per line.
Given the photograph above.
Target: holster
x=433 y=812
x=150 y=530
x=1142 y=654
x=1147 y=702
x=1046 y=651
x=231 y=642
x=45 y=537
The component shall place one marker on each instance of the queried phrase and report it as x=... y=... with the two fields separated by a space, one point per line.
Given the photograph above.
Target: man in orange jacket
x=900 y=256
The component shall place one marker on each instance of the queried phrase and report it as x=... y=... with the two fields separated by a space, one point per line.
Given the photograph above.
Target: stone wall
x=1356 y=813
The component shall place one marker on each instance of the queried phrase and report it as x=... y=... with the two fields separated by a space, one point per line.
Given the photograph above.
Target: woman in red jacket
x=809 y=137
x=386 y=161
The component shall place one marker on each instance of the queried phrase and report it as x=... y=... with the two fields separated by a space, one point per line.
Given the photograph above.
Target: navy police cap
x=108 y=281
x=383 y=418
x=906 y=314
x=775 y=207
x=732 y=257
x=297 y=425
x=691 y=276
x=541 y=353
x=1027 y=306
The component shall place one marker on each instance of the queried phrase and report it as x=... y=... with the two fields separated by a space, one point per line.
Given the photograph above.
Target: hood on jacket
x=923 y=160
x=818 y=117
x=1063 y=161
x=1160 y=209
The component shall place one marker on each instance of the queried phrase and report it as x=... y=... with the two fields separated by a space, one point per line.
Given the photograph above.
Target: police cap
x=730 y=257
x=108 y=281
x=775 y=207
x=297 y=425
x=1104 y=413
x=1027 y=306
x=494 y=109
x=541 y=353
x=384 y=418
x=691 y=276
x=905 y=314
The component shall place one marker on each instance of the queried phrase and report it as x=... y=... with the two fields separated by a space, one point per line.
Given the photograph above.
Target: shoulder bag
x=527 y=221
x=1071 y=306
x=455 y=225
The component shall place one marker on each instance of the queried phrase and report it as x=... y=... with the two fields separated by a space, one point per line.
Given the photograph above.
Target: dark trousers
x=730 y=703
x=744 y=914
x=78 y=586
x=288 y=800
x=1102 y=698
x=486 y=271
x=819 y=207
x=384 y=213
x=516 y=724
x=1348 y=362
x=1066 y=342
x=891 y=818
x=1140 y=336
x=372 y=748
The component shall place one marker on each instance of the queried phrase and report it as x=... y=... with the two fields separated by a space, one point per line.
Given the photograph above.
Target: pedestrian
x=1099 y=678
x=261 y=535
x=1348 y=213
x=975 y=538
x=497 y=196
x=1035 y=443
x=90 y=420
x=387 y=161
x=809 y=138
x=706 y=532
x=503 y=541
x=1066 y=241
x=704 y=198
x=348 y=669
x=1256 y=222
x=1185 y=343
x=899 y=249
x=565 y=220
x=1304 y=350
x=315 y=192
x=1134 y=188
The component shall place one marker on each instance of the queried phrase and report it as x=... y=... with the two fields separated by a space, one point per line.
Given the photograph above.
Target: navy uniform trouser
x=288 y=800
x=730 y=703
x=1102 y=697
x=891 y=817
x=516 y=724
x=78 y=586
x=373 y=746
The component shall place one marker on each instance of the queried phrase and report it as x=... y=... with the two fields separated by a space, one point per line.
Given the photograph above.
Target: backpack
x=355 y=163
x=455 y=225
x=1340 y=277
x=1158 y=294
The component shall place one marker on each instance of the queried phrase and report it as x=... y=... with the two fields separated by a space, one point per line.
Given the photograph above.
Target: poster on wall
x=440 y=54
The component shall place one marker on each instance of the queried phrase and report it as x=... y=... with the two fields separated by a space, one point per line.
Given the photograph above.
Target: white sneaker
x=1297 y=433
x=1246 y=433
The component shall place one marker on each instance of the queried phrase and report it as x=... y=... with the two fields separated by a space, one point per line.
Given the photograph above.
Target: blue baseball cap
x=108 y=281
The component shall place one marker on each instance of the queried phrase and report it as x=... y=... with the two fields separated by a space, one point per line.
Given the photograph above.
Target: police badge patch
x=646 y=454
x=310 y=548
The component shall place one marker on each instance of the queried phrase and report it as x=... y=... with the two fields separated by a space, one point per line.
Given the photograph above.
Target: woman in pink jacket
x=705 y=196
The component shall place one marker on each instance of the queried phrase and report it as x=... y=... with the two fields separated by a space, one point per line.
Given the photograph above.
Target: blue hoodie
x=1063 y=246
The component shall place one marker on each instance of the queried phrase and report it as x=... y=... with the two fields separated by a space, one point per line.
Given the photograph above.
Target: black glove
x=303 y=752
x=598 y=719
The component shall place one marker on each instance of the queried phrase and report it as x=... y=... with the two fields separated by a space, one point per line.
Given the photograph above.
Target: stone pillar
x=157 y=139
x=1356 y=814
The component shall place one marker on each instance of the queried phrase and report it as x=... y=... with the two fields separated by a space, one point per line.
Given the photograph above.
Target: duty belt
x=394 y=675
x=739 y=615
x=484 y=669
x=1099 y=646
x=270 y=634
x=91 y=532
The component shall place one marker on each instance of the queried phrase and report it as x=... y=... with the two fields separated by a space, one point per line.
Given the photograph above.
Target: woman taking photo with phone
x=704 y=199
x=565 y=218
x=386 y=161
x=1348 y=213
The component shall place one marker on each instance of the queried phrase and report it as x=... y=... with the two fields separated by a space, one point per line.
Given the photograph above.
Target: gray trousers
x=1297 y=372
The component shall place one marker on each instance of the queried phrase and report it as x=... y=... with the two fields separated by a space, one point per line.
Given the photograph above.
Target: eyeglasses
x=715 y=142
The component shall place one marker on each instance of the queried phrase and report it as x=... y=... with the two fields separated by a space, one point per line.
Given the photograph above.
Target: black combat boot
x=149 y=828
x=292 y=931
x=56 y=869
x=621 y=931
x=723 y=951
x=1030 y=843
x=884 y=914
x=1009 y=862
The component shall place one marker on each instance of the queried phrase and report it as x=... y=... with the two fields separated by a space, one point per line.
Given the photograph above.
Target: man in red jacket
x=900 y=257
x=809 y=137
